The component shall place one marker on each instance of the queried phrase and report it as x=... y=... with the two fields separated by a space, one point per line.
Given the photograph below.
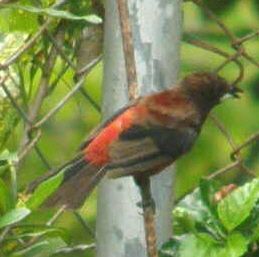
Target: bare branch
x=127 y=41
x=68 y=96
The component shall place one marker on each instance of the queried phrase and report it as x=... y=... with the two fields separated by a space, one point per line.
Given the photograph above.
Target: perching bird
x=142 y=138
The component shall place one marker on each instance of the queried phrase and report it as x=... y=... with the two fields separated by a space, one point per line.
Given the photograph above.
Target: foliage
x=205 y=227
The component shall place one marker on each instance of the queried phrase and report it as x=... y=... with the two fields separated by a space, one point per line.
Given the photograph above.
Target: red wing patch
x=97 y=152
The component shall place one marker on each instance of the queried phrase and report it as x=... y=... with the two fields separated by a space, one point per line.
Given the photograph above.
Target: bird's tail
x=78 y=180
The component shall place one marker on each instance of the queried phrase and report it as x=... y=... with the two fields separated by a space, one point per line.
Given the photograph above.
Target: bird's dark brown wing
x=148 y=149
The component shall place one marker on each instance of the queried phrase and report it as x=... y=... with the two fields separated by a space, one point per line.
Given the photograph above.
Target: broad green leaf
x=203 y=245
x=44 y=248
x=236 y=207
x=56 y=13
x=6 y=201
x=14 y=216
x=192 y=213
x=44 y=190
x=194 y=206
x=33 y=250
x=236 y=245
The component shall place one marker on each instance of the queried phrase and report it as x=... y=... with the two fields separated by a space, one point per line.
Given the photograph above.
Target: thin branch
x=231 y=142
x=29 y=146
x=223 y=130
x=128 y=49
x=53 y=219
x=241 y=40
x=13 y=101
x=148 y=205
x=84 y=224
x=205 y=46
x=223 y=170
x=247 y=142
x=95 y=105
x=67 y=97
x=42 y=157
x=41 y=93
x=212 y=16
x=60 y=51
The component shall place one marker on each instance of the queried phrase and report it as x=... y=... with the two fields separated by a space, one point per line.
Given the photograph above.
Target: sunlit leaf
x=14 y=216
x=44 y=190
x=6 y=201
x=56 y=13
x=236 y=207
x=203 y=245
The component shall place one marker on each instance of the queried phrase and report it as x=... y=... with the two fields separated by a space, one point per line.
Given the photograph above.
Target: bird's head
x=208 y=89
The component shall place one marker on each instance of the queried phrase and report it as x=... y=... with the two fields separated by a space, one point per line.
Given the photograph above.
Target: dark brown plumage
x=144 y=137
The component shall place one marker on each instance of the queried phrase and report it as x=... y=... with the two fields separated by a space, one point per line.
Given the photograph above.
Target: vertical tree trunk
x=156 y=31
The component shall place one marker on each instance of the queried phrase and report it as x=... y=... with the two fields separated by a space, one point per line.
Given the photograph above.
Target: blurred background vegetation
x=63 y=133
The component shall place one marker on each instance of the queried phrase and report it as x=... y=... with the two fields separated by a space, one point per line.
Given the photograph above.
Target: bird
x=142 y=138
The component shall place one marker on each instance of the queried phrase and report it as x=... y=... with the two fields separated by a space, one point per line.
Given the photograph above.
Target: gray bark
x=156 y=31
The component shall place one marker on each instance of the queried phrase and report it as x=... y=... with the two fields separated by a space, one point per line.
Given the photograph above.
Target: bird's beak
x=235 y=91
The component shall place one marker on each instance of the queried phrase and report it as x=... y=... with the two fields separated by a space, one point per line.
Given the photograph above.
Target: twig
x=67 y=97
x=84 y=224
x=42 y=157
x=231 y=142
x=223 y=130
x=56 y=216
x=49 y=223
x=205 y=46
x=13 y=101
x=143 y=182
x=250 y=140
x=95 y=105
x=241 y=40
x=212 y=16
x=148 y=206
x=128 y=49
x=41 y=93
x=60 y=51
x=223 y=170
x=29 y=146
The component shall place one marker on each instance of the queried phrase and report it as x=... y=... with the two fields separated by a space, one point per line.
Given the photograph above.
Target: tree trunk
x=156 y=31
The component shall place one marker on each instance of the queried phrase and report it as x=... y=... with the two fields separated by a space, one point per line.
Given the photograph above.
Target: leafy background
x=63 y=133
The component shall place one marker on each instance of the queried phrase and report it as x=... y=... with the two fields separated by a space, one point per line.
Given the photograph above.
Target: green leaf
x=236 y=245
x=33 y=250
x=170 y=248
x=236 y=207
x=203 y=245
x=192 y=214
x=6 y=202
x=44 y=248
x=44 y=190
x=56 y=13
x=6 y=157
x=14 y=216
